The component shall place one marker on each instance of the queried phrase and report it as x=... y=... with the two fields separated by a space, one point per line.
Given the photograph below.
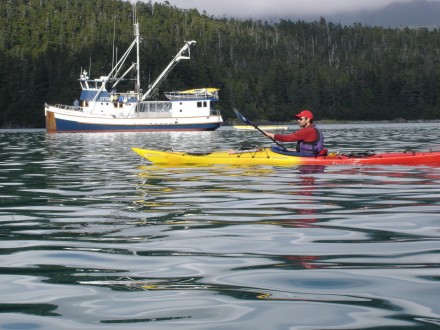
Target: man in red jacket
x=309 y=138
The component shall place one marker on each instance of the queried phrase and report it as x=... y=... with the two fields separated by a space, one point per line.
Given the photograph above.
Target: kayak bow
x=274 y=156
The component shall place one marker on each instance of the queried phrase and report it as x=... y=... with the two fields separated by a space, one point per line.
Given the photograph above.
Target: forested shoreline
x=267 y=70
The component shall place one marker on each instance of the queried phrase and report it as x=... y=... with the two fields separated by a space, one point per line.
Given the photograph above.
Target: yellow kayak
x=272 y=156
x=257 y=156
x=200 y=90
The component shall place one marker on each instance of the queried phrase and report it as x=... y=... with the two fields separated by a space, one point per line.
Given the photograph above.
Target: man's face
x=303 y=121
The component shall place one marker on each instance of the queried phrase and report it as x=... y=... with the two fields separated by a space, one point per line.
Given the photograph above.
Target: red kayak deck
x=392 y=158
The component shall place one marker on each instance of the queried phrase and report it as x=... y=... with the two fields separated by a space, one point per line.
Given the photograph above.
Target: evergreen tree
x=269 y=70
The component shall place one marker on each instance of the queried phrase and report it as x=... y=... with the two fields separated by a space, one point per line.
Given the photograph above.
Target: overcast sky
x=278 y=8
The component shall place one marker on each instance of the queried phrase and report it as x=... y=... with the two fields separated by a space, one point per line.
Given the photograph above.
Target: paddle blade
x=243 y=118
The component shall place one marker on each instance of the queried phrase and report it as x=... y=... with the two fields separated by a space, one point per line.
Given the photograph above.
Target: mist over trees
x=267 y=70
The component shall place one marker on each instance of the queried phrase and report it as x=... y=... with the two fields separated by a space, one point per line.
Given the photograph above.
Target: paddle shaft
x=248 y=122
x=276 y=142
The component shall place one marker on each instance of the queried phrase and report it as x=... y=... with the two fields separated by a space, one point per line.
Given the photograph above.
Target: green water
x=94 y=237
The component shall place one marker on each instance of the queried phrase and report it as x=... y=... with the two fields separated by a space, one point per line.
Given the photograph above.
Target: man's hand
x=271 y=135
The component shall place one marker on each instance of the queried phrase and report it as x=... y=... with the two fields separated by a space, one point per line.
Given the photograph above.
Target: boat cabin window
x=201 y=104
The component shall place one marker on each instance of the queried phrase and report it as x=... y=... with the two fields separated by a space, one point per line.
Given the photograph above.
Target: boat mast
x=137 y=37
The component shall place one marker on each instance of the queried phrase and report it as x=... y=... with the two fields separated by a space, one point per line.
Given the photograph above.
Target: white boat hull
x=69 y=120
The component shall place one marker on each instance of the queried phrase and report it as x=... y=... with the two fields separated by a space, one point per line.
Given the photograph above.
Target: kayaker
x=309 y=139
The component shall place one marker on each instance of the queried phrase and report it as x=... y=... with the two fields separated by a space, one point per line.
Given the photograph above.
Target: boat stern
x=51 y=125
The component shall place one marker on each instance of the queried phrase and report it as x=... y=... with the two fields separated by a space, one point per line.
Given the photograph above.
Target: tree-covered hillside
x=268 y=71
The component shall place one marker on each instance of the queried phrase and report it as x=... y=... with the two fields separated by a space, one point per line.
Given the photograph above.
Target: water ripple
x=93 y=237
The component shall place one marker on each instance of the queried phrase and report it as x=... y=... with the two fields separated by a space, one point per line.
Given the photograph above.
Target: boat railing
x=192 y=96
x=69 y=107
x=215 y=112
x=124 y=97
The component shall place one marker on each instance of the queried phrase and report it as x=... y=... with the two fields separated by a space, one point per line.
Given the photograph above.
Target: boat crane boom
x=167 y=70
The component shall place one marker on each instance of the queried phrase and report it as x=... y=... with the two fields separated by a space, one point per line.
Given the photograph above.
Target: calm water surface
x=94 y=237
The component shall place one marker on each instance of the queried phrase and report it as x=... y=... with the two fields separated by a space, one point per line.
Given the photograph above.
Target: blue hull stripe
x=70 y=126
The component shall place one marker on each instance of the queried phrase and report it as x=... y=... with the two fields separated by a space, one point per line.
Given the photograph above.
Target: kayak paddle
x=248 y=122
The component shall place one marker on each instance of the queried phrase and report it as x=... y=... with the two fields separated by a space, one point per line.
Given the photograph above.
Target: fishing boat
x=101 y=107
x=274 y=155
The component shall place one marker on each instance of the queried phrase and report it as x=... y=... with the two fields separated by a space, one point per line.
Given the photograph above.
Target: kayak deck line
x=274 y=156
x=238 y=152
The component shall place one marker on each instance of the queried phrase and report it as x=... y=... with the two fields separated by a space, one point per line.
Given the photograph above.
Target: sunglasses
x=302 y=118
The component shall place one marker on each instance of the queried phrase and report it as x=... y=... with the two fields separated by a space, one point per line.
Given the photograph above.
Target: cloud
x=278 y=8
